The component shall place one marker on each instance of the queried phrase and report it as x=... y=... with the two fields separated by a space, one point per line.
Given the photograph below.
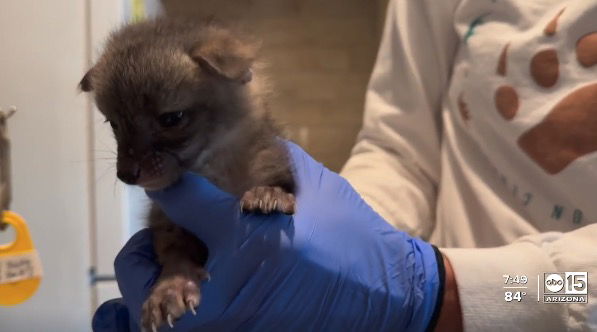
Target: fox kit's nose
x=129 y=176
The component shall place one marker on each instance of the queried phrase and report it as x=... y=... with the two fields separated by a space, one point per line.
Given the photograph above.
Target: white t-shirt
x=480 y=131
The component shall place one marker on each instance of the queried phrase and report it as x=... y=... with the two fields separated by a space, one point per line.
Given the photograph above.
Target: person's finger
x=314 y=180
x=305 y=168
x=136 y=271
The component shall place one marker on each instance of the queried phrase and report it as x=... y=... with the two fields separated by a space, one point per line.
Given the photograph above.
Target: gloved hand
x=335 y=265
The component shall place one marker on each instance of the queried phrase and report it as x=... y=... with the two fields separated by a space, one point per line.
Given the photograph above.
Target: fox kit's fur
x=185 y=96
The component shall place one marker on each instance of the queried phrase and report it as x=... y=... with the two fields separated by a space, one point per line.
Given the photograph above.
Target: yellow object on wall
x=20 y=266
x=138 y=12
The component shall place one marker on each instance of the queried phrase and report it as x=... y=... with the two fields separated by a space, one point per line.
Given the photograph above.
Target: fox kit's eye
x=171 y=119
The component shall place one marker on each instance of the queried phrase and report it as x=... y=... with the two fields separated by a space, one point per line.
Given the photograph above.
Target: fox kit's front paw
x=267 y=200
x=170 y=298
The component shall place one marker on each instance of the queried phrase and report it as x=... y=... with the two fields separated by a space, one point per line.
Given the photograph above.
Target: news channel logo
x=565 y=287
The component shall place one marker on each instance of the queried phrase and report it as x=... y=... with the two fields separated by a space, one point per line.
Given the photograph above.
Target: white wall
x=63 y=157
x=42 y=58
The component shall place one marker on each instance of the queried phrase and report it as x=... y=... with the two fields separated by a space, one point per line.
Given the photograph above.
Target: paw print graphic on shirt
x=569 y=130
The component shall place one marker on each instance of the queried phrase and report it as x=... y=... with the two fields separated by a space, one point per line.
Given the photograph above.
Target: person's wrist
x=450 y=315
x=427 y=308
x=441 y=276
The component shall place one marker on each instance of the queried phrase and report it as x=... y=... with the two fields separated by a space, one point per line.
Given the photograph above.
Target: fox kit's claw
x=191 y=307
x=169 y=319
x=170 y=298
x=267 y=200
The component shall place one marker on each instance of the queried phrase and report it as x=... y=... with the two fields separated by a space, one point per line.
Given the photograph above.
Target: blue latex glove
x=335 y=265
x=113 y=316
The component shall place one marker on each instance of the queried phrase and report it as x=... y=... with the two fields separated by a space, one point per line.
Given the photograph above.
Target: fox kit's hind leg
x=177 y=289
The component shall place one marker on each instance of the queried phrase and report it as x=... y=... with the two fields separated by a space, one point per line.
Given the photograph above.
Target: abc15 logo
x=569 y=283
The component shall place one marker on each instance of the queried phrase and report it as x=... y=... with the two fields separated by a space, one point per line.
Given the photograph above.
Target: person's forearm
x=450 y=317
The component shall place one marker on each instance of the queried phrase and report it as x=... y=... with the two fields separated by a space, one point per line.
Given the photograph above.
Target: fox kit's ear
x=223 y=54
x=85 y=84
